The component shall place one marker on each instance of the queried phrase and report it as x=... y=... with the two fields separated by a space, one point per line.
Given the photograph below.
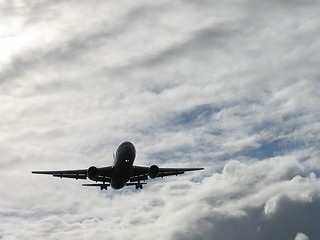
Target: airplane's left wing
x=142 y=173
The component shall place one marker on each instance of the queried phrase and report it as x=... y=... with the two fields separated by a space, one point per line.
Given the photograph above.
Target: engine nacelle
x=92 y=173
x=153 y=171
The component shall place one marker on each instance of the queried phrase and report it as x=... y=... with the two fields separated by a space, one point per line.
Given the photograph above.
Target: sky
x=231 y=86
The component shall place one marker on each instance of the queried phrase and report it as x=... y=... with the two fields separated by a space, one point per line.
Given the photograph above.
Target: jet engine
x=153 y=171
x=92 y=173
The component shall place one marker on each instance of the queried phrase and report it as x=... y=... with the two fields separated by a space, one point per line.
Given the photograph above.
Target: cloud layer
x=230 y=86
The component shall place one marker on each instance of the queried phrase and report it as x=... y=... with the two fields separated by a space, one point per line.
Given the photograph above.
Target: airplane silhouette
x=121 y=173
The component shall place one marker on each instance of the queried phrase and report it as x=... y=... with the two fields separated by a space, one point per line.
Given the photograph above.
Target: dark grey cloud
x=201 y=44
x=208 y=39
x=255 y=225
x=253 y=218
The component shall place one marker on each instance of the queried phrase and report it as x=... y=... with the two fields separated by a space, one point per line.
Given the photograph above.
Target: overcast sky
x=232 y=86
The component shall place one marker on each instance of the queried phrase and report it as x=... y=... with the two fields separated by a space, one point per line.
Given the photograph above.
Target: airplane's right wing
x=96 y=174
x=77 y=174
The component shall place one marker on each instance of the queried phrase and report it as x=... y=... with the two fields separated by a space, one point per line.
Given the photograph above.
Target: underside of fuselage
x=123 y=163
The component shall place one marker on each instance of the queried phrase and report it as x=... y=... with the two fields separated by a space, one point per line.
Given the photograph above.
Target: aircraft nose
x=127 y=151
x=127 y=145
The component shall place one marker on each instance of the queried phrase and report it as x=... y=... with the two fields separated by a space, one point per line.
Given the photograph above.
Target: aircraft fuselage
x=122 y=166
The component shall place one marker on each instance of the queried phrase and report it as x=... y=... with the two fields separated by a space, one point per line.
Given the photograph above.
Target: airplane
x=122 y=173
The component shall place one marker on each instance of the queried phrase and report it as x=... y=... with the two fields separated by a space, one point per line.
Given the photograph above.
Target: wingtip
x=41 y=172
x=198 y=169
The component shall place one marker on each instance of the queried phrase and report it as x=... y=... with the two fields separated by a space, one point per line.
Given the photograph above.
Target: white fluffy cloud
x=301 y=236
x=230 y=86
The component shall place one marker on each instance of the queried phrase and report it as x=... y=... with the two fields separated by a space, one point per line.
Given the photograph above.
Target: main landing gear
x=139 y=186
x=102 y=187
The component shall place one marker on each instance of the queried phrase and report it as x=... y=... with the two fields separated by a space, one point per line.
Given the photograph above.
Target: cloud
x=256 y=201
x=230 y=86
x=301 y=236
x=250 y=204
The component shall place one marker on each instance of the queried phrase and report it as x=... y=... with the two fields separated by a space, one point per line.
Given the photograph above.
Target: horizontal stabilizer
x=133 y=184
x=107 y=185
x=96 y=185
x=76 y=176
